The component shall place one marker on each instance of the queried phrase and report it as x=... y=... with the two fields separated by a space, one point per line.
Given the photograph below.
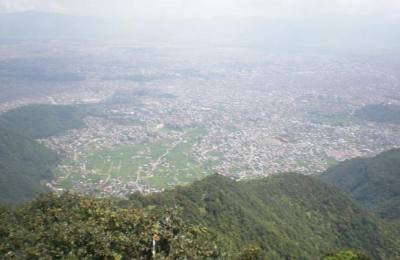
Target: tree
x=75 y=227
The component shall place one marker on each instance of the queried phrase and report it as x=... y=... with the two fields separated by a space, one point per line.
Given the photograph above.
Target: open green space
x=162 y=164
x=122 y=162
x=178 y=165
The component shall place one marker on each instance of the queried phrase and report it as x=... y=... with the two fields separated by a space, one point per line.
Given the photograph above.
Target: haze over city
x=275 y=120
x=207 y=8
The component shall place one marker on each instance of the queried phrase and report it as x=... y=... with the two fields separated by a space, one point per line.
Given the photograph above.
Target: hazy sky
x=207 y=8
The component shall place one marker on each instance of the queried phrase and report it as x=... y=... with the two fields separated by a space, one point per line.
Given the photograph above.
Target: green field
x=179 y=165
x=162 y=164
x=122 y=161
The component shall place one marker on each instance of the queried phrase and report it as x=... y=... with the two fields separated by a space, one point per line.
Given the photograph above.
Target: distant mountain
x=373 y=182
x=24 y=162
x=287 y=216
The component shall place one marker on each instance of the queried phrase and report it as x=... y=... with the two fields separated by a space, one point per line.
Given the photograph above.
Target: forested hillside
x=24 y=162
x=41 y=121
x=287 y=216
x=373 y=182
x=74 y=227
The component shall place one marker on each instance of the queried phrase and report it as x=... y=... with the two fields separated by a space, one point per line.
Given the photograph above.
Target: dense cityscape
x=170 y=115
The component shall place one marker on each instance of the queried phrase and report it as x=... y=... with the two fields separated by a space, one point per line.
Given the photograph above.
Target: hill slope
x=373 y=182
x=41 y=121
x=23 y=164
x=288 y=216
x=74 y=227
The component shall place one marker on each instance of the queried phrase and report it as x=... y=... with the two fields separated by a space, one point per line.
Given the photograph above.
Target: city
x=176 y=115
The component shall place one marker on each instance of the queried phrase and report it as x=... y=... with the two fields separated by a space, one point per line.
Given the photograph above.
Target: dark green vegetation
x=41 y=121
x=373 y=182
x=380 y=113
x=74 y=227
x=24 y=162
x=286 y=216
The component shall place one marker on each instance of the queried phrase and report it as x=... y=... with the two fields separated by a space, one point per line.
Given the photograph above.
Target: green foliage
x=346 y=255
x=23 y=164
x=373 y=182
x=287 y=215
x=75 y=227
x=41 y=121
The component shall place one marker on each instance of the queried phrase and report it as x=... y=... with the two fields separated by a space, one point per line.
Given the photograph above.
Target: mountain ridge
x=302 y=216
x=372 y=182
